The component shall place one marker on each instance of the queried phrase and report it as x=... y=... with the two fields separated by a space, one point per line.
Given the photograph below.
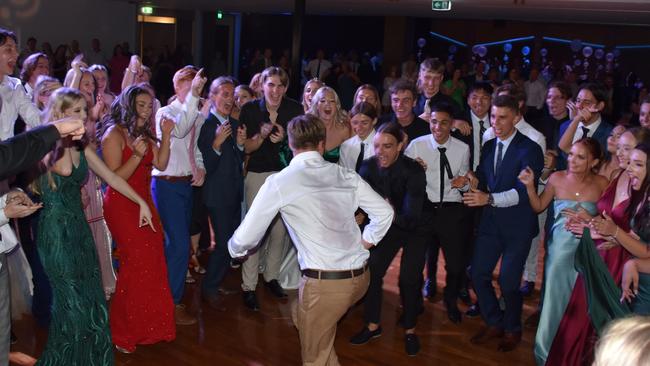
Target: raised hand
x=527 y=177
x=77 y=63
x=573 y=109
x=167 y=126
x=198 y=83
x=135 y=65
x=70 y=127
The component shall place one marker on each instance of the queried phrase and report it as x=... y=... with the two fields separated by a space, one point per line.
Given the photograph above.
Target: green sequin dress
x=79 y=331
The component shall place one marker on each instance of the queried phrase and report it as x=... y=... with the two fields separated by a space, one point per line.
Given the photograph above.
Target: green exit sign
x=441 y=5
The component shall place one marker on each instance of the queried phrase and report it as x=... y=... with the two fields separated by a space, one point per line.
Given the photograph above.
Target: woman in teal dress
x=577 y=188
x=78 y=332
x=327 y=106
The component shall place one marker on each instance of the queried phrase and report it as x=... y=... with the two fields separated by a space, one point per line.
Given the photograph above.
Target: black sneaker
x=364 y=336
x=411 y=344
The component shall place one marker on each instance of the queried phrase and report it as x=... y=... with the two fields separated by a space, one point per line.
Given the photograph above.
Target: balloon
x=609 y=57
x=505 y=58
x=422 y=42
x=507 y=47
x=587 y=51
x=576 y=45
x=577 y=62
x=482 y=51
x=599 y=53
x=543 y=52
x=525 y=51
x=453 y=49
x=475 y=49
x=585 y=64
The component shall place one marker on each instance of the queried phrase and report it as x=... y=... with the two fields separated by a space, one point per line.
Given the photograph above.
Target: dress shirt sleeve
x=379 y=212
x=265 y=207
x=3 y=218
x=188 y=116
x=26 y=109
x=506 y=199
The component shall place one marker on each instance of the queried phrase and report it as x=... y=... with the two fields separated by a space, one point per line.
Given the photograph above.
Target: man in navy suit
x=587 y=121
x=221 y=143
x=508 y=223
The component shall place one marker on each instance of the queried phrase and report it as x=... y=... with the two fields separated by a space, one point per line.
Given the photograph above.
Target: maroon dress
x=142 y=309
x=575 y=339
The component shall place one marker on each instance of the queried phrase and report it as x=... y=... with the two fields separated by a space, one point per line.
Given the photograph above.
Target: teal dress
x=560 y=276
x=79 y=331
x=333 y=155
x=641 y=303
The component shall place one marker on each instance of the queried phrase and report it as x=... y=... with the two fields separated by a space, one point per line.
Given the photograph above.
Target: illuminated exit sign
x=441 y=5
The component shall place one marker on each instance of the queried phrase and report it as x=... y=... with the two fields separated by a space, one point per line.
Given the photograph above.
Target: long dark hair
x=124 y=114
x=640 y=198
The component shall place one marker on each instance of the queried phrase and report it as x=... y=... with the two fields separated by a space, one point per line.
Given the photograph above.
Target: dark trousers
x=411 y=266
x=174 y=204
x=225 y=219
x=445 y=228
x=513 y=246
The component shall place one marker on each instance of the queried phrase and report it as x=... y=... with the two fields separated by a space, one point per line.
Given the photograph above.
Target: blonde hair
x=185 y=73
x=340 y=115
x=61 y=100
x=306 y=131
x=316 y=81
x=44 y=83
x=625 y=342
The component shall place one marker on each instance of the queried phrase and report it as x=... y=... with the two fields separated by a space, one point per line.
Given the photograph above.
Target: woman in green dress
x=327 y=106
x=578 y=187
x=79 y=331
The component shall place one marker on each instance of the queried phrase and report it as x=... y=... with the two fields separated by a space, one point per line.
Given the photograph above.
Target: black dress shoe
x=430 y=289
x=250 y=300
x=411 y=344
x=473 y=311
x=527 y=289
x=364 y=336
x=453 y=313
x=276 y=289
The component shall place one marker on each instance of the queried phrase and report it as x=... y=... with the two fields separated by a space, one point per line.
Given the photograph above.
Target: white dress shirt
x=535 y=93
x=185 y=115
x=315 y=71
x=592 y=129
x=14 y=103
x=426 y=148
x=476 y=128
x=510 y=197
x=8 y=240
x=317 y=201
x=526 y=129
x=351 y=148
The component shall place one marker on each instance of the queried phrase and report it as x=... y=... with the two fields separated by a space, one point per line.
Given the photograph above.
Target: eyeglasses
x=586 y=102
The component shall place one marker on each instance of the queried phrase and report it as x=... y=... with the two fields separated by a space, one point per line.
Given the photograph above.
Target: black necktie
x=357 y=166
x=444 y=168
x=481 y=130
x=585 y=133
x=499 y=158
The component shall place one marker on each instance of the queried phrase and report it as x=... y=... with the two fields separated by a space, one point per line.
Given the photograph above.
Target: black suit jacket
x=224 y=179
x=24 y=150
x=521 y=153
x=469 y=139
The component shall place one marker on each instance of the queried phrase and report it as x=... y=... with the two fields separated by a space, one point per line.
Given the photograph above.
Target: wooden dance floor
x=241 y=337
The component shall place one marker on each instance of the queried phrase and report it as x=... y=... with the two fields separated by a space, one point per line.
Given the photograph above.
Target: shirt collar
x=592 y=127
x=371 y=136
x=436 y=145
x=307 y=155
x=508 y=140
x=221 y=118
x=476 y=118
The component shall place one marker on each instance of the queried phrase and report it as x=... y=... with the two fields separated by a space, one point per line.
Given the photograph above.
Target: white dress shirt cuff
x=506 y=199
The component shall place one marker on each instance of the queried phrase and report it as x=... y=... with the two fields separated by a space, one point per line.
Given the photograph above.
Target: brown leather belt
x=334 y=275
x=174 y=179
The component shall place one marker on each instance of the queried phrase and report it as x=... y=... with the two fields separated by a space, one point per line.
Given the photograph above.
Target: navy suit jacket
x=224 y=179
x=601 y=134
x=519 y=220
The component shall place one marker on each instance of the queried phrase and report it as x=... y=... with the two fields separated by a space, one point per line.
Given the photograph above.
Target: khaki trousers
x=272 y=245
x=320 y=305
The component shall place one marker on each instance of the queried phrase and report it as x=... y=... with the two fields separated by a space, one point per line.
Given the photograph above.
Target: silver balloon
x=577 y=62
x=585 y=64
x=587 y=51
x=422 y=42
x=475 y=49
x=599 y=53
x=609 y=57
x=482 y=51
x=543 y=52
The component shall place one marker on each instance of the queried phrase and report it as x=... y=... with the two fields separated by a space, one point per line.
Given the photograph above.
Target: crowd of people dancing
x=318 y=195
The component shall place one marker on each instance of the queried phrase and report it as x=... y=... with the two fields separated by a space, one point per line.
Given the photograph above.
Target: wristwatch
x=490 y=199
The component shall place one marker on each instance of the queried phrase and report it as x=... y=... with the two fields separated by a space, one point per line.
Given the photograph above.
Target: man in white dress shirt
x=172 y=188
x=317 y=201
x=13 y=99
x=446 y=160
x=363 y=118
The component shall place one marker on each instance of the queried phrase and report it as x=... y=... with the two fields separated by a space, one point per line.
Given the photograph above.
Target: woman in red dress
x=142 y=310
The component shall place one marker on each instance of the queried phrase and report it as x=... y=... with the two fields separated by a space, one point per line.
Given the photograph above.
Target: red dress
x=142 y=309
x=575 y=338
